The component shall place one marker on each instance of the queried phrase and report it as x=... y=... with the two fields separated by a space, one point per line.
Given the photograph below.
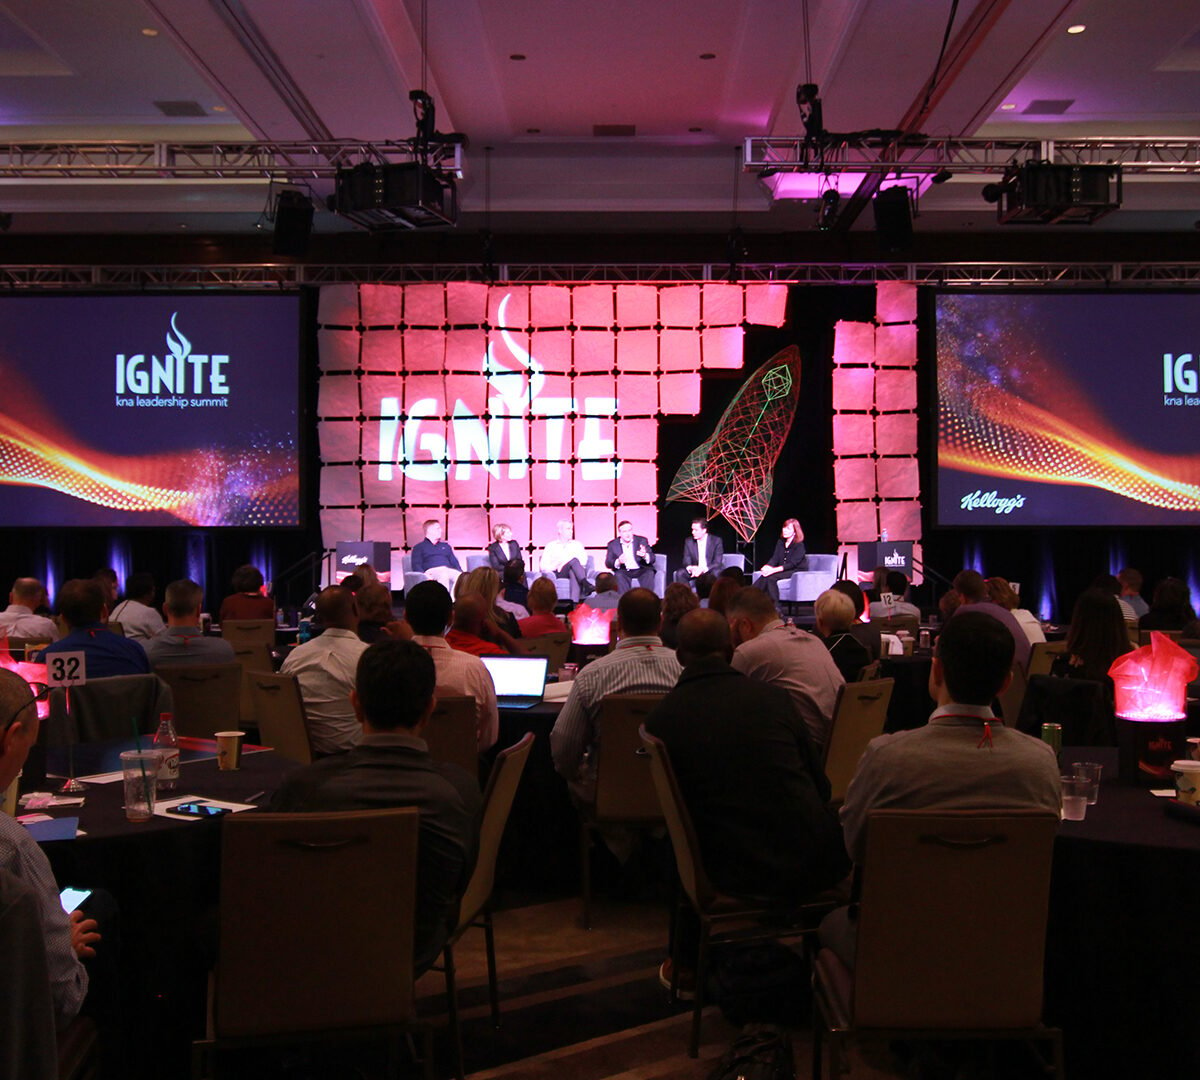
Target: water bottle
x=883 y=536
x=305 y=631
x=167 y=743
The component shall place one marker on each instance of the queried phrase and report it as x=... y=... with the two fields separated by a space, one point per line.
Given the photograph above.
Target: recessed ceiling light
x=183 y=225
x=516 y=56
x=1078 y=28
x=695 y=129
x=220 y=108
x=1008 y=106
x=708 y=56
x=149 y=31
x=533 y=131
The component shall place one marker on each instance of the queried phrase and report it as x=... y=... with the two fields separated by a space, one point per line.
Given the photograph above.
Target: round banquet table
x=164 y=875
x=1122 y=949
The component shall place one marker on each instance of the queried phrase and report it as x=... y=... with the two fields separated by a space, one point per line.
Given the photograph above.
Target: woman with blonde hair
x=499 y=627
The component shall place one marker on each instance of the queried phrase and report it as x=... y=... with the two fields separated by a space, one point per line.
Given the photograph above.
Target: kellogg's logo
x=979 y=500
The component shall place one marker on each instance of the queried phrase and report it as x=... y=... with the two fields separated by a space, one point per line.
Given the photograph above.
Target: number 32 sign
x=66 y=669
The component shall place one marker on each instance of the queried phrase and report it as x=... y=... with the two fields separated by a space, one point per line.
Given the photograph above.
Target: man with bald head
x=18 y=619
x=749 y=774
x=325 y=667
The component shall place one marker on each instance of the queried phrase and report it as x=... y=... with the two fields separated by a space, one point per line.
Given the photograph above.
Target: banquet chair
x=1082 y=707
x=20 y=648
x=208 y=697
x=240 y=632
x=108 y=708
x=1144 y=635
x=475 y=909
x=451 y=733
x=1013 y=697
x=251 y=658
x=115 y=627
x=722 y=917
x=1042 y=656
x=266 y=989
x=624 y=791
x=925 y=967
x=859 y=715
x=909 y=623
x=554 y=646
x=870 y=671
x=279 y=710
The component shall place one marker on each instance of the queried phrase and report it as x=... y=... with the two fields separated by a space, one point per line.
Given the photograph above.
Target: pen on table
x=256 y=796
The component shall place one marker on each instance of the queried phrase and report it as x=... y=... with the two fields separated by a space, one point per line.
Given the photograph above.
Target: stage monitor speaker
x=893 y=218
x=293 y=223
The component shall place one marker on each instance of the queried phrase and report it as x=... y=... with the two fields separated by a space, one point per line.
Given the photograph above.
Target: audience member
x=606 y=597
x=1131 y=590
x=963 y=759
x=466 y=632
x=867 y=634
x=1170 y=608
x=950 y=602
x=427 y=608
x=136 y=612
x=515 y=590
x=703 y=556
x=1097 y=636
x=82 y=609
x=499 y=626
x=1002 y=593
x=106 y=578
x=640 y=664
x=324 y=667
x=750 y=777
x=1110 y=583
x=183 y=642
x=435 y=558
x=68 y=937
x=565 y=558
x=393 y=699
x=542 y=598
x=835 y=616
x=375 y=613
x=723 y=590
x=735 y=573
x=19 y=619
x=973 y=594
x=630 y=557
x=677 y=601
x=769 y=650
x=895 y=584
x=247 y=600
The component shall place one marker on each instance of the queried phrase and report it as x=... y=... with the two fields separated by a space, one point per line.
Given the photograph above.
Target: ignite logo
x=1180 y=381
x=179 y=380
x=895 y=561
x=989 y=500
x=501 y=445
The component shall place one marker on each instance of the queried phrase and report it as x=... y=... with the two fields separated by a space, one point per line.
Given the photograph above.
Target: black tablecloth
x=1122 y=948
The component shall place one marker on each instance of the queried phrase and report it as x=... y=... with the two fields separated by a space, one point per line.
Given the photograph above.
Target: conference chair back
x=251 y=658
x=624 y=788
x=555 y=647
x=279 y=709
x=859 y=716
x=208 y=697
x=1013 y=697
x=108 y=708
x=249 y=632
x=451 y=733
x=1042 y=656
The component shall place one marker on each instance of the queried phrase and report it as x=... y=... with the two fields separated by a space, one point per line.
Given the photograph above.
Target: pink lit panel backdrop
x=482 y=404
x=876 y=479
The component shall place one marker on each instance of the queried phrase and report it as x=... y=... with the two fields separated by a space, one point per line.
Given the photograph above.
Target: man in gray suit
x=703 y=558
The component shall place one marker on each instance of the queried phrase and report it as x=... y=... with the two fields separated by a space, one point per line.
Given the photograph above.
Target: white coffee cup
x=1187 y=780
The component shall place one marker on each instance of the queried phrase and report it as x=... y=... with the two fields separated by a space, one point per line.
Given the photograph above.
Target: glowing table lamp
x=1150 y=686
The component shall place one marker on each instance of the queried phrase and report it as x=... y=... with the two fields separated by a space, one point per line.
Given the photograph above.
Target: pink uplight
x=589 y=626
x=1150 y=683
x=31 y=673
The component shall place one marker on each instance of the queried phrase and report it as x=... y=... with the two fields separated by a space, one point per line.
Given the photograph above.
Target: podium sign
x=351 y=554
x=890 y=554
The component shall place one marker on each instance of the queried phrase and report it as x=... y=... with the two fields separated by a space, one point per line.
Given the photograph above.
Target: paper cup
x=229 y=749
x=1187 y=781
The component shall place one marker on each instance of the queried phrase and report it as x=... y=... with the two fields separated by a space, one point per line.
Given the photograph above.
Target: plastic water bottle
x=167 y=743
x=883 y=536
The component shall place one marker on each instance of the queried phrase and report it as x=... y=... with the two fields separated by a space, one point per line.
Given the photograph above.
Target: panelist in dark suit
x=630 y=558
x=787 y=559
x=703 y=558
x=502 y=549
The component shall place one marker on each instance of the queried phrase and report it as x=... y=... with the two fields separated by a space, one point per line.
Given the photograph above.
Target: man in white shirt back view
x=136 y=613
x=325 y=668
x=18 y=619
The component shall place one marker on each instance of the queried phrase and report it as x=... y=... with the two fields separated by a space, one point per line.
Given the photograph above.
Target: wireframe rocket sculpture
x=730 y=473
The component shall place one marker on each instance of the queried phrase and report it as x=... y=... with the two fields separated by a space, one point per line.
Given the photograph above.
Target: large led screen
x=150 y=410
x=1059 y=408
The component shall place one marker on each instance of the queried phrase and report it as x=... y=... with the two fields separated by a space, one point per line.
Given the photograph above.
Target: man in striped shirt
x=640 y=664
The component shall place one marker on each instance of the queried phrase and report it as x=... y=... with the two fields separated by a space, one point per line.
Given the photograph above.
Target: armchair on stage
x=804 y=587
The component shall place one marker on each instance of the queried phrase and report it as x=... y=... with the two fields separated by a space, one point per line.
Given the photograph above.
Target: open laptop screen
x=517 y=676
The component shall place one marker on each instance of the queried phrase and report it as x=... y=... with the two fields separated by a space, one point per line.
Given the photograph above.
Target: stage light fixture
x=809 y=104
x=941 y=176
x=827 y=214
x=1045 y=193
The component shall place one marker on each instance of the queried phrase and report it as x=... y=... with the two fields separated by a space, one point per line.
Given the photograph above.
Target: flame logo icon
x=180 y=347
x=510 y=383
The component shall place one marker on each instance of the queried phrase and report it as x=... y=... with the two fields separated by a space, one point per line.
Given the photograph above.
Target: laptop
x=520 y=680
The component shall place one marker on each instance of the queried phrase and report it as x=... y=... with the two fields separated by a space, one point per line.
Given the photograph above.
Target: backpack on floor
x=761 y=1052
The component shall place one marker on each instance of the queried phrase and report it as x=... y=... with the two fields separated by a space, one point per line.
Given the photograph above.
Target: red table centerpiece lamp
x=1150 y=686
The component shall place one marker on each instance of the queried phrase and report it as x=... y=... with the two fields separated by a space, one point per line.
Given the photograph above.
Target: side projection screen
x=1061 y=408
x=120 y=411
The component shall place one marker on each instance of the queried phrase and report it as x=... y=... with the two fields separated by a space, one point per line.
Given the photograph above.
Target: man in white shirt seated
x=427 y=609
x=897 y=588
x=136 y=612
x=326 y=667
x=565 y=557
x=183 y=642
x=18 y=619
